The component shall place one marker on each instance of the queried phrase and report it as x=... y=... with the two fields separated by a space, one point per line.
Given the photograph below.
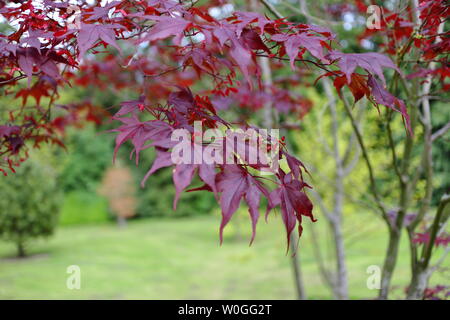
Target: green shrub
x=29 y=204
x=82 y=207
x=89 y=154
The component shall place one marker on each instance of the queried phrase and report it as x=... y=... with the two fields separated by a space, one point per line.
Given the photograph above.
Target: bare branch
x=326 y=274
x=304 y=11
x=440 y=261
x=437 y=223
x=272 y=9
x=373 y=186
x=319 y=200
x=440 y=132
x=13 y=79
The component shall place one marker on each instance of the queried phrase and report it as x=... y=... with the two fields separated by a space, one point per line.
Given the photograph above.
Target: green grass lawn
x=182 y=259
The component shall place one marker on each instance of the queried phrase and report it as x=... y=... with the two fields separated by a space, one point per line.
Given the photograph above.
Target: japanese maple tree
x=184 y=68
x=44 y=45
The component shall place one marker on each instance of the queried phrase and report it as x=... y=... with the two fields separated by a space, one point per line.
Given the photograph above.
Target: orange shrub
x=118 y=186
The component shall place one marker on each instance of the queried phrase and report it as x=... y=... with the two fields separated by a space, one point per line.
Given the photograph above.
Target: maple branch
x=418 y=29
x=427 y=156
x=305 y=12
x=346 y=158
x=272 y=9
x=13 y=79
x=428 y=144
x=334 y=126
x=47 y=114
x=352 y=164
x=162 y=72
x=418 y=172
x=392 y=147
x=441 y=260
x=326 y=274
x=428 y=248
x=341 y=287
x=440 y=132
x=427 y=61
x=367 y=161
x=349 y=165
x=317 y=64
x=269 y=118
x=348 y=195
x=321 y=204
x=296 y=263
x=319 y=123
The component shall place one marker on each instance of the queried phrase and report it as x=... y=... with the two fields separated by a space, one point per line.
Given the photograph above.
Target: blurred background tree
x=119 y=187
x=89 y=156
x=29 y=204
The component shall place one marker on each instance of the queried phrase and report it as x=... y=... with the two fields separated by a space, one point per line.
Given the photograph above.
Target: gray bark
x=419 y=283
x=121 y=222
x=389 y=263
x=340 y=283
x=295 y=261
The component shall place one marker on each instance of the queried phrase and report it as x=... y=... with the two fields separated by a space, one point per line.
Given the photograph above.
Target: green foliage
x=29 y=204
x=89 y=153
x=156 y=199
x=81 y=207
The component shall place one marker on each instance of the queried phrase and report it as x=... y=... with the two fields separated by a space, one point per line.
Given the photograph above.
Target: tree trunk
x=421 y=270
x=341 y=283
x=389 y=263
x=295 y=259
x=340 y=286
x=418 y=284
x=121 y=222
x=21 y=253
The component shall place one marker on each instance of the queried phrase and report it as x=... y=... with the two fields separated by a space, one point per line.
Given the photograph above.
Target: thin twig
x=13 y=79
x=272 y=9
x=440 y=132
x=373 y=186
x=428 y=249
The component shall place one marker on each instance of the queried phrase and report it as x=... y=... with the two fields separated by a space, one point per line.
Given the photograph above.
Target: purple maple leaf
x=372 y=62
x=102 y=12
x=166 y=27
x=89 y=34
x=293 y=201
x=293 y=43
x=382 y=96
x=131 y=106
x=6 y=131
x=236 y=183
x=246 y=18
